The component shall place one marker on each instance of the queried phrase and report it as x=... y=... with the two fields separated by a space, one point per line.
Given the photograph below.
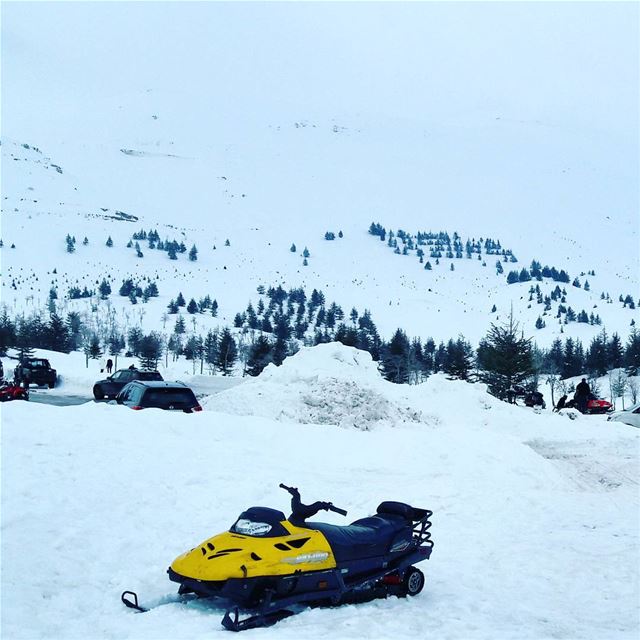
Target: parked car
x=35 y=371
x=111 y=386
x=12 y=391
x=173 y=396
x=630 y=416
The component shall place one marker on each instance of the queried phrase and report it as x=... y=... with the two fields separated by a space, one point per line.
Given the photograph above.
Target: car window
x=150 y=375
x=637 y=410
x=166 y=397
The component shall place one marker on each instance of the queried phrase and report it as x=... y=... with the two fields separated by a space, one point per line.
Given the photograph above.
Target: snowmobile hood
x=232 y=555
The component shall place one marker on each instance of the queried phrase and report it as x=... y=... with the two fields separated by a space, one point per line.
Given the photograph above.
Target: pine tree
x=133 y=339
x=214 y=308
x=56 y=334
x=459 y=359
x=395 y=358
x=150 y=351
x=227 y=353
x=173 y=307
x=92 y=348
x=180 y=326
x=193 y=253
x=109 y=242
x=192 y=307
x=293 y=249
x=104 y=289
x=615 y=352
x=210 y=347
x=305 y=253
x=180 y=301
x=632 y=353
x=505 y=358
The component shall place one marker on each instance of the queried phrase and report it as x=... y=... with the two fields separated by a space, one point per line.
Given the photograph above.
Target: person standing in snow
x=581 y=395
x=109 y=365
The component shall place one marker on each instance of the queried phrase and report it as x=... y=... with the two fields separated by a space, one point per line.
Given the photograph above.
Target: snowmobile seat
x=409 y=513
x=363 y=538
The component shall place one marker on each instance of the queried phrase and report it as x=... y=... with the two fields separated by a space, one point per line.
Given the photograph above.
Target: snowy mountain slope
x=535 y=516
x=356 y=270
x=251 y=150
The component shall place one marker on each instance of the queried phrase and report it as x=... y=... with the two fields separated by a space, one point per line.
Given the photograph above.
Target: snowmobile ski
x=130 y=600
x=233 y=623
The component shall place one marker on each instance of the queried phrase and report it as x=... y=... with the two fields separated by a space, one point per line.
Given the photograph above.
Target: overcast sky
x=563 y=63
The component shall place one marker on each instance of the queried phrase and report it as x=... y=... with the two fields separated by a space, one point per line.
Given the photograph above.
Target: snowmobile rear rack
x=421 y=533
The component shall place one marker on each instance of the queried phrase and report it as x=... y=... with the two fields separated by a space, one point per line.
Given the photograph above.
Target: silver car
x=629 y=416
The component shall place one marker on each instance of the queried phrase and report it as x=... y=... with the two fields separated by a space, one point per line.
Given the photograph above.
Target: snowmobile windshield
x=260 y=522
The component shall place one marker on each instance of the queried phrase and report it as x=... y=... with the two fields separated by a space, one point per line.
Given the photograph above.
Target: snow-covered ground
x=535 y=515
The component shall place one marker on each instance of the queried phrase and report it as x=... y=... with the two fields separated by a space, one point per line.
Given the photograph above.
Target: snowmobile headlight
x=250 y=528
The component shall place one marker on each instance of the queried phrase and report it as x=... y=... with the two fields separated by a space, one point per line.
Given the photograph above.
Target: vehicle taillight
x=197 y=408
x=137 y=408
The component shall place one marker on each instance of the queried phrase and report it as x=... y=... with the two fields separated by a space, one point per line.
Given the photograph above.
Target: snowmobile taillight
x=392 y=579
x=137 y=408
x=197 y=408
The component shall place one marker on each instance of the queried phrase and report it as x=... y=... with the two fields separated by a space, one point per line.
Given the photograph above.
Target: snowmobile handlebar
x=327 y=506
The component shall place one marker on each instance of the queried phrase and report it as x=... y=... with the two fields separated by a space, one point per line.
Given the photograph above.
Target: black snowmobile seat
x=363 y=538
x=409 y=513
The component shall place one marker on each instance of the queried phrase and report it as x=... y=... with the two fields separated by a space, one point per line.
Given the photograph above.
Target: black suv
x=35 y=371
x=111 y=386
x=174 y=396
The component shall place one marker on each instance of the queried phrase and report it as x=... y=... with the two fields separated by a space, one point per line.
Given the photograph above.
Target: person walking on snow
x=581 y=395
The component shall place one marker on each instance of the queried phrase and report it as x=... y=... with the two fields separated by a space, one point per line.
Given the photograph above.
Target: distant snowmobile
x=267 y=563
x=12 y=391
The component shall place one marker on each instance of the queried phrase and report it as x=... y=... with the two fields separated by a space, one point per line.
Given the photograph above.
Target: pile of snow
x=326 y=384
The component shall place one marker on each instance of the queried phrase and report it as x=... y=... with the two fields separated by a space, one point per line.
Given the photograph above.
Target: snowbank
x=326 y=384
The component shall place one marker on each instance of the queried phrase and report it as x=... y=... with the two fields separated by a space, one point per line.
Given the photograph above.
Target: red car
x=11 y=391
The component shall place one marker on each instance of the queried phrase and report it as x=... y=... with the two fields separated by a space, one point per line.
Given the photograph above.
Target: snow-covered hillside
x=535 y=515
x=203 y=162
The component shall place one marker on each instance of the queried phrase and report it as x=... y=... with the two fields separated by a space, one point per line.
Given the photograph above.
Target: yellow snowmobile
x=267 y=563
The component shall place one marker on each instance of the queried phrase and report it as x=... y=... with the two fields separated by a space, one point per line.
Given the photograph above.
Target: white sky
x=563 y=63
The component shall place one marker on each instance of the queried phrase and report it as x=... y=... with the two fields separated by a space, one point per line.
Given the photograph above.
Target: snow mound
x=326 y=384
